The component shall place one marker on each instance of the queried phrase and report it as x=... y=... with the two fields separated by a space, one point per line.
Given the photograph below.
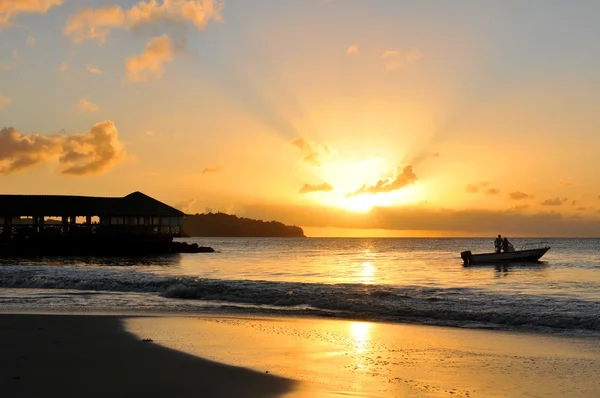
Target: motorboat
x=527 y=253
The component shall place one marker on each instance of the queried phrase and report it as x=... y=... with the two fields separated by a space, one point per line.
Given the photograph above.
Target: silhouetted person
x=498 y=243
x=507 y=246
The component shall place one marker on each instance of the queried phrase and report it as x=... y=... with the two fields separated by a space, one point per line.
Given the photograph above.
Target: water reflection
x=367 y=274
x=169 y=260
x=361 y=333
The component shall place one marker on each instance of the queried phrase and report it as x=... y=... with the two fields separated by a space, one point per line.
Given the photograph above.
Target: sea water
x=393 y=280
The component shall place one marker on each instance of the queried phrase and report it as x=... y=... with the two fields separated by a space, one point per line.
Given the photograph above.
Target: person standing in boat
x=507 y=246
x=498 y=243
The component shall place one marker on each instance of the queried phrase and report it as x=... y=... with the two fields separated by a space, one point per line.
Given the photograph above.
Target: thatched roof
x=134 y=204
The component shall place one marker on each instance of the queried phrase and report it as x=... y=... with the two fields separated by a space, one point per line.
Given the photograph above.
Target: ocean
x=403 y=280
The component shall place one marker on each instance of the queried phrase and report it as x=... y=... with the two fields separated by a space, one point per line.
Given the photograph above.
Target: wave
x=465 y=307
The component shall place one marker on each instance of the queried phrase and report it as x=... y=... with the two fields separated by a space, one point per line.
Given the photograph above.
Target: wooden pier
x=76 y=225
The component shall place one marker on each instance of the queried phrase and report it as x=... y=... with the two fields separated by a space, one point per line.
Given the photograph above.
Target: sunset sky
x=346 y=117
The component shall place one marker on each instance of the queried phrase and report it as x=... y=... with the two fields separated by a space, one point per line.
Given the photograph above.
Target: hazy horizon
x=343 y=117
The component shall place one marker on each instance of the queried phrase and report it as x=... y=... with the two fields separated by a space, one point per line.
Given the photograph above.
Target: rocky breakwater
x=183 y=247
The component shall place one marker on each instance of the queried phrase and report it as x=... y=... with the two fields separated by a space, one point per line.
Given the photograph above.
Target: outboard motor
x=466 y=256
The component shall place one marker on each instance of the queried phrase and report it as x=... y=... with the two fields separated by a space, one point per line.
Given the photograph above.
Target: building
x=55 y=224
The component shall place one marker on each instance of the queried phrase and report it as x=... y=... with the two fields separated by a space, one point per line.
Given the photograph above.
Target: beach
x=302 y=318
x=225 y=356
x=92 y=356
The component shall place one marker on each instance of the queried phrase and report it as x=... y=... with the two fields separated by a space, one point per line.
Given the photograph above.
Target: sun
x=359 y=203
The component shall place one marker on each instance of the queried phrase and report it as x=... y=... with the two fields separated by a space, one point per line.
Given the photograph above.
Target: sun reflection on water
x=367 y=273
x=361 y=332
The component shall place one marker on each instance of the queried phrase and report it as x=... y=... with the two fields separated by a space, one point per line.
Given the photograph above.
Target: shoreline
x=283 y=356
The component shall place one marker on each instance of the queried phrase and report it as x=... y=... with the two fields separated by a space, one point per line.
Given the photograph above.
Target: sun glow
x=348 y=176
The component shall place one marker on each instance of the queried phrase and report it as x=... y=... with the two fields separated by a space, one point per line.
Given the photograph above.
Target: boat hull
x=529 y=255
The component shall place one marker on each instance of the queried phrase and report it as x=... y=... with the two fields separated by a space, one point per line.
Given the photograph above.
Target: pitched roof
x=134 y=204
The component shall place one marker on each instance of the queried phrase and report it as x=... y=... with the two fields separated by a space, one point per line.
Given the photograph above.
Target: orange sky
x=345 y=117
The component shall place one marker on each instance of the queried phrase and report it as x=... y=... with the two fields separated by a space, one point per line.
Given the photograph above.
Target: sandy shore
x=104 y=356
x=92 y=356
x=339 y=358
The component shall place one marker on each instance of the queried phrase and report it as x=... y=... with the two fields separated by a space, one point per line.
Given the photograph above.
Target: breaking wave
x=463 y=307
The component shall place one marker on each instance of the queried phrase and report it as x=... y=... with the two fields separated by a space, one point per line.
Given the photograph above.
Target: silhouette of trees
x=226 y=225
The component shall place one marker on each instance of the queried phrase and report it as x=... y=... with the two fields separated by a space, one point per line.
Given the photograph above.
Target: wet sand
x=334 y=358
x=92 y=356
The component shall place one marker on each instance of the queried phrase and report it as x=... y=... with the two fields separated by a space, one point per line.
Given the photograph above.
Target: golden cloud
x=396 y=59
x=517 y=195
x=150 y=64
x=86 y=105
x=185 y=205
x=312 y=153
x=308 y=188
x=11 y=8
x=404 y=176
x=93 y=70
x=353 y=49
x=4 y=101
x=80 y=154
x=95 y=24
x=211 y=169
x=554 y=201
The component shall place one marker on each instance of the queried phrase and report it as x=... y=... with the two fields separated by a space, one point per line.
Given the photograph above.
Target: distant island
x=226 y=225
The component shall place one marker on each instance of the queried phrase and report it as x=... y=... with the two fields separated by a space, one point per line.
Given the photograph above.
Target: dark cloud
x=324 y=187
x=517 y=195
x=492 y=191
x=80 y=154
x=554 y=202
x=404 y=176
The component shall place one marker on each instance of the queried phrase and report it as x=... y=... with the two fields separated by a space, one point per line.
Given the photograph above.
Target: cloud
x=95 y=24
x=185 y=205
x=31 y=40
x=509 y=222
x=198 y=12
x=324 y=187
x=93 y=70
x=353 y=49
x=4 y=101
x=396 y=59
x=150 y=64
x=475 y=188
x=553 y=202
x=80 y=154
x=312 y=153
x=212 y=169
x=404 y=176
x=492 y=191
x=86 y=105
x=517 y=195
x=414 y=56
x=11 y=8
x=63 y=67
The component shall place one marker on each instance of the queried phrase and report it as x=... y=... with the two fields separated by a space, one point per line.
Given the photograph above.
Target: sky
x=345 y=117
